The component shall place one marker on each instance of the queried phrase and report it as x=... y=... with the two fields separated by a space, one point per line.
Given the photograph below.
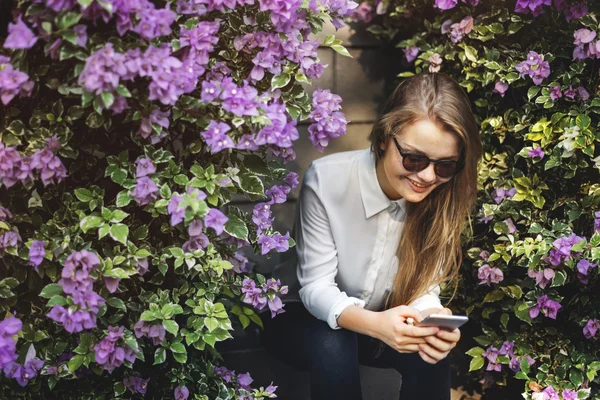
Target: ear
x=381 y=148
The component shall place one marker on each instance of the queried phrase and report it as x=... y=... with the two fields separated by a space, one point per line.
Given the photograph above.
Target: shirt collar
x=373 y=198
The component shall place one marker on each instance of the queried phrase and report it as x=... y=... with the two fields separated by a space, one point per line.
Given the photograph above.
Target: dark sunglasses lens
x=415 y=163
x=446 y=169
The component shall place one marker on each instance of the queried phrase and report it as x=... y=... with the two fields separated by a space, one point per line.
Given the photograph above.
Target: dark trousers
x=333 y=357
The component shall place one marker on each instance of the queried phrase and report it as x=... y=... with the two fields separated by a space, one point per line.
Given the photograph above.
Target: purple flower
x=155 y=23
x=216 y=220
x=291 y=179
x=240 y=263
x=177 y=213
x=445 y=4
x=103 y=71
x=460 y=29
x=136 y=384
x=267 y=244
x=512 y=229
x=583 y=36
x=435 y=63
x=261 y=216
x=37 y=252
x=152 y=124
x=570 y=92
x=488 y=275
x=202 y=37
x=329 y=122
x=582 y=93
x=533 y=6
x=245 y=380
x=411 y=53
x=282 y=243
x=278 y=194
x=156 y=332
x=81 y=32
x=534 y=66
x=562 y=251
x=276 y=306
x=548 y=307
x=590 y=329
x=145 y=191
x=216 y=138
x=583 y=267
x=49 y=166
x=597 y=221
x=500 y=194
x=19 y=36
x=247 y=142
x=181 y=393
x=8 y=347
x=5 y=215
x=24 y=373
x=110 y=356
x=569 y=394
x=112 y=284
x=501 y=88
x=13 y=83
x=271 y=390
x=555 y=93
x=542 y=278
x=145 y=167
x=537 y=152
x=142 y=266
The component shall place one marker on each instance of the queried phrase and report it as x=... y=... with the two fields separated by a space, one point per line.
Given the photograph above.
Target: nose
x=428 y=175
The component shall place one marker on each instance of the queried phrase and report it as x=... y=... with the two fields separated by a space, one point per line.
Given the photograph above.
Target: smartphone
x=448 y=322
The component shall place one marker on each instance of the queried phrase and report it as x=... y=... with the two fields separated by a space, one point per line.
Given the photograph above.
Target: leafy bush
x=531 y=278
x=126 y=128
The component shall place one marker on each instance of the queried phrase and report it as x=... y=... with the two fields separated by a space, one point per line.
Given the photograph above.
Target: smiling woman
x=377 y=231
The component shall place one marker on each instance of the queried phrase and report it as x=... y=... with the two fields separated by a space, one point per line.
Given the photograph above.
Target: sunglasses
x=418 y=162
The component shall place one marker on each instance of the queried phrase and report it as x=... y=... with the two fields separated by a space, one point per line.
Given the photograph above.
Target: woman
x=377 y=231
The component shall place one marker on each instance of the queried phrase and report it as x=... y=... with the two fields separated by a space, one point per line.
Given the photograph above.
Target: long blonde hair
x=430 y=249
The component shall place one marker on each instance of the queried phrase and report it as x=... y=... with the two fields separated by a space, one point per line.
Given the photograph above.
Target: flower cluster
x=23 y=373
x=78 y=282
x=488 y=275
x=9 y=239
x=535 y=67
x=243 y=382
x=19 y=36
x=13 y=82
x=145 y=190
x=329 y=122
x=17 y=168
x=267 y=295
x=507 y=349
x=500 y=194
x=176 y=210
x=562 y=249
x=591 y=327
x=458 y=30
x=109 y=355
x=156 y=332
x=8 y=347
x=448 y=4
x=548 y=307
x=152 y=126
x=135 y=384
x=571 y=93
x=549 y=393
x=571 y=11
x=435 y=63
x=542 y=278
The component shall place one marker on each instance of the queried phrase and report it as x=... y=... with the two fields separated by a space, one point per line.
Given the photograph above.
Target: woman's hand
x=438 y=346
x=393 y=330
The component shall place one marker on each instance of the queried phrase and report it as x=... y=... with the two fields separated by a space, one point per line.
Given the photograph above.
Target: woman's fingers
x=418 y=331
x=409 y=312
x=440 y=344
x=408 y=348
x=426 y=358
x=432 y=353
x=449 y=336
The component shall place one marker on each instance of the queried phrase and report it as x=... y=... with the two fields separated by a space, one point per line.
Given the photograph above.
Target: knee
x=332 y=344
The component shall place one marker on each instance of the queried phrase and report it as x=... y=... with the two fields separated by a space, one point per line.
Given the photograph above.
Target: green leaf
x=525 y=366
x=341 y=49
x=252 y=184
x=116 y=303
x=83 y=194
x=236 y=228
x=90 y=222
x=76 y=362
x=281 y=80
x=123 y=198
x=475 y=351
x=67 y=20
x=160 y=356
x=532 y=92
x=148 y=316
x=171 y=326
x=476 y=363
x=108 y=99
x=119 y=232
x=493 y=296
x=576 y=377
x=178 y=348
x=51 y=290
x=85 y=342
x=211 y=323
x=57 y=301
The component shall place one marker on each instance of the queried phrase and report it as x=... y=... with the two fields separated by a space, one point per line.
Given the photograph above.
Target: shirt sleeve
x=430 y=299
x=317 y=256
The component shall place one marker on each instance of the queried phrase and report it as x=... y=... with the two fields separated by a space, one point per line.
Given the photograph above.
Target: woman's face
x=421 y=137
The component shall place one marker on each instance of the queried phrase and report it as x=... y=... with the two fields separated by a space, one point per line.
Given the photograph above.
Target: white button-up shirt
x=347 y=235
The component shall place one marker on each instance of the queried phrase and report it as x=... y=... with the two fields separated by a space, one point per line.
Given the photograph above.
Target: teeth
x=418 y=185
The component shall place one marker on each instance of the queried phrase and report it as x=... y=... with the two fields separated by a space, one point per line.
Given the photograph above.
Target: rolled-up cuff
x=337 y=309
